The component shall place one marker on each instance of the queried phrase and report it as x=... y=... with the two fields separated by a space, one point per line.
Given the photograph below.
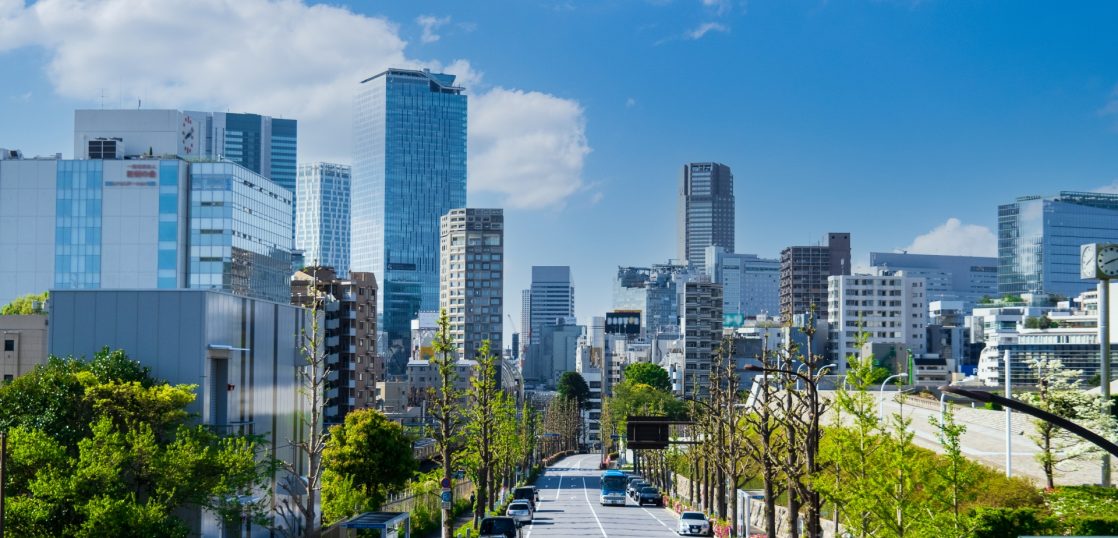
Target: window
x=9 y=345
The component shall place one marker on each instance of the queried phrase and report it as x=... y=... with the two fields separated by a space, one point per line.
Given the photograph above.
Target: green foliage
x=573 y=386
x=25 y=305
x=100 y=448
x=649 y=374
x=1012 y=299
x=370 y=457
x=1010 y=522
x=1081 y=500
x=1040 y=322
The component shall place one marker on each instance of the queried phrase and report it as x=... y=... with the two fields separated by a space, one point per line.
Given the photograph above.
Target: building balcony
x=349 y=297
x=352 y=349
x=352 y=332
x=332 y=323
x=332 y=376
x=331 y=411
x=351 y=314
x=332 y=341
x=352 y=384
x=331 y=393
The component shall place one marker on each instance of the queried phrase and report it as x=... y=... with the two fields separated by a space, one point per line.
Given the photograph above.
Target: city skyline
x=959 y=117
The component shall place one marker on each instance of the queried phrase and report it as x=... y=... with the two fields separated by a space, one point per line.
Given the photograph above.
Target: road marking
x=560 y=488
x=656 y=518
x=586 y=493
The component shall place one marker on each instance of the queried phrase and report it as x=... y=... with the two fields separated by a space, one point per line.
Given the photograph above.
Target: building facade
x=701 y=334
x=472 y=283
x=750 y=284
x=263 y=144
x=409 y=169
x=949 y=278
x=706 y=211
x=348 y=332
x=322 y=215
x=552 y=297
x=23 y=344
x=654 y=291
x=885 y=309
x=804 y=271
x=1039 y=239
x=141 y=224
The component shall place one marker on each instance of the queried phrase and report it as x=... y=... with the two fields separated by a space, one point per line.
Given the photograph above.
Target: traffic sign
x=446 y=506
x=446 y=496
x=445 y=483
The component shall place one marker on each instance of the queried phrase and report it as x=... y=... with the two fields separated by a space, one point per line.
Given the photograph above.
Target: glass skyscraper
x=322 y=215
x=706 y=211
x=1039 y=239
x=409 y=170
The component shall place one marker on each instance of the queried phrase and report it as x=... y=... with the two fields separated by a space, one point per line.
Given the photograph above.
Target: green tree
x=481 y=427
x=1058 y=393
x=444 y=405
x=649 y=374
x=572 y=386
x=953 y=487
x=26 y=305
x=367 y=455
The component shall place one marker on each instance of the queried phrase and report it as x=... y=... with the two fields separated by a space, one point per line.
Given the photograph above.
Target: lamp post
x=881 y=395
x=1097 y=263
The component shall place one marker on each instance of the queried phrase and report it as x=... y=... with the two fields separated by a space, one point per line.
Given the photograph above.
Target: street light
x=820 y=371
x=881 y=395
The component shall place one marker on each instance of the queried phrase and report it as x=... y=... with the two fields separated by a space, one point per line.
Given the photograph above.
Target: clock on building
x=1088 y=265
x=1107 y=261
x=188 y=137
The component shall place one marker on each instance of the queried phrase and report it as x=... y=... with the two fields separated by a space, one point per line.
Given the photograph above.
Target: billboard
x=627 y=322
x=733 y=320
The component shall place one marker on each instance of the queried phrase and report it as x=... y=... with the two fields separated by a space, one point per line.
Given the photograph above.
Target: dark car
x=635 y=487
x=527 y=493
x=499 y=527
x=650 y=495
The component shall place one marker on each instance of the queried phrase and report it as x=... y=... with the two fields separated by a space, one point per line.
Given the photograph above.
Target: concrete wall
x=27 y=336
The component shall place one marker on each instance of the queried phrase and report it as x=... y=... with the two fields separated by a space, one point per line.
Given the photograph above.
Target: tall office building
x=409 y=170
x=1039 y=239
x=750 y=285
x=262 y=144
x=322 y=215
x=141 y=224
x=472 y=283
x=948 y=278
x=804 y=271
x=887 y=309
x=552 y=297
x=706 y=211
x=525 y=321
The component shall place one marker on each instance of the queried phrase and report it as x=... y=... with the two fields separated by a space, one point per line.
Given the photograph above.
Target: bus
x=613 y=484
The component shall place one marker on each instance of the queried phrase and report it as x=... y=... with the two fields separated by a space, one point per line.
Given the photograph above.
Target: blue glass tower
x=322 y=215
x=1039 y=239
x=409 y=169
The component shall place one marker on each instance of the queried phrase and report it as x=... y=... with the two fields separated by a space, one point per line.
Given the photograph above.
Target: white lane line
x=560 y=488
x=586 y=493
x=656 y=518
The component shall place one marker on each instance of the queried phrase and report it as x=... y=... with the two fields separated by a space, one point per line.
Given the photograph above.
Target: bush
x=1010 y=522
x=992 y=406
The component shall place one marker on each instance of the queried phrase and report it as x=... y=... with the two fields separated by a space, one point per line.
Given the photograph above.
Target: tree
x=1058 y=393
x=649 y=374
x=369 y=457
x=481 y=427
x=130 y=468
x=954 y=479
x=573 y=386
x=444 y=405
x=26 y=305
x=300 y=514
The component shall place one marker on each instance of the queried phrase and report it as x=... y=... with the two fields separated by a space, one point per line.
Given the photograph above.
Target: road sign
x=446 y=496
x=446 y=506
x=445 y=484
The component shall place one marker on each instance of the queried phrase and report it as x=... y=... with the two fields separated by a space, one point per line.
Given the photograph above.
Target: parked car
x=520 y=511
x=498 y=527
x=635 y=487
x=693 y=524
x=527 y=493
x=650 y=495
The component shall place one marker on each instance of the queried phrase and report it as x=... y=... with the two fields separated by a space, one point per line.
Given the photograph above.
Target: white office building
x=887 y=309
x=750 y=284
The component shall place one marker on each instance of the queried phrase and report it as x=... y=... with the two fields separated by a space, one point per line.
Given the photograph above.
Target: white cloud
x=720 y=7
x=285 y=59
x=528 y=146
x=1112 y=188
x=630 y=103
x=705 y=28
x=955 y=238
x=430 y=24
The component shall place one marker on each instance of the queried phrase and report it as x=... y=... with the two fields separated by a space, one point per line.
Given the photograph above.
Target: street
x=569 y=506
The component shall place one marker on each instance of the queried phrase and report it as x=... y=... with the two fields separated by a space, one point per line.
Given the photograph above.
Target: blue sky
x=904 y=123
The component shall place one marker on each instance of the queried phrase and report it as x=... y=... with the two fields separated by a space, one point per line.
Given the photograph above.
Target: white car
x=693 y=524
x=520 y=511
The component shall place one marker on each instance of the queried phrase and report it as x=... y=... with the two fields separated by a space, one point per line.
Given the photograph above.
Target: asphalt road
x=569 y=506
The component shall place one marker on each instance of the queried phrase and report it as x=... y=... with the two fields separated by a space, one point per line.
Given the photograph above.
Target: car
x=693 y=524
x=520 y=511
x=650 y=495
x=498 y=527
x=527 y=493
x=635 y=487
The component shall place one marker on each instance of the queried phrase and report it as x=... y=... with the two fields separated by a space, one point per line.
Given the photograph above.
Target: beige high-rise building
x=471 y=277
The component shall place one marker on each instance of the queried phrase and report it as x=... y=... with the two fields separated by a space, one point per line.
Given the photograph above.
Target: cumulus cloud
x=528 y=146
x=430 y=25
x=705 y=28
x=955 y=238
x=720 y=7
x=1112 y=188
x=282 y=58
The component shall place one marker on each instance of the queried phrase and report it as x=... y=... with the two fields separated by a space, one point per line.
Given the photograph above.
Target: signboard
x=627 y=322
x=646 y=432
x=445 y=496
x=142 y=174
x=445 y=483
x=733 y=320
